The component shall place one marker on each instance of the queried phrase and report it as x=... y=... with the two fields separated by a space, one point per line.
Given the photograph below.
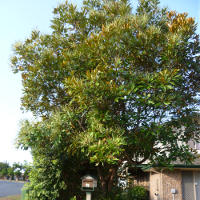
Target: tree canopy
x=15 y=171
x=110 y=85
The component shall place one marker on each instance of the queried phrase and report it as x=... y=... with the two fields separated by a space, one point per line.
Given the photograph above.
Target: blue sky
x=17 y=20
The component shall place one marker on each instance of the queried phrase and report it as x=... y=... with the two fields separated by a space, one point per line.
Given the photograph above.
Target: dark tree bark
x=107 y=176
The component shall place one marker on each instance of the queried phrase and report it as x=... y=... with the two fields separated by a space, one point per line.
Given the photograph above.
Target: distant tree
x=109 y=85
x=17 y=168
x=26 y=168
x=4 y=173
x=4 y=166
x=11 y=173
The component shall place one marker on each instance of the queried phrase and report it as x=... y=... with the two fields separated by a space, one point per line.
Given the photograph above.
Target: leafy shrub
x=115 y=194
x=137 y=193
x=73 y=198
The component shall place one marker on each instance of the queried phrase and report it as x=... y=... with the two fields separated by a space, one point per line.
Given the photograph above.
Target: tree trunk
x=107 y=177
x=113 y=173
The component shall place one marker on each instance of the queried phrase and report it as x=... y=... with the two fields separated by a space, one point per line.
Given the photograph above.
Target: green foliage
x=134 y=193
x=108 y=85
x=74 y=198
x=47 y=179
x=115 y=194
x=3 y=172
x=26 y=170
x=17 y=169
x=54 y=165
x=3 y=165
x=11 y=173
x=4 y=169
x=137 y=193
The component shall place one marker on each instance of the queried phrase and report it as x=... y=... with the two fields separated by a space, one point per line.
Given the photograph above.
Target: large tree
x=110 y=85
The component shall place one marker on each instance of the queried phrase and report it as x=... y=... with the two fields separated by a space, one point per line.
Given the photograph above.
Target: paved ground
x=10 y=188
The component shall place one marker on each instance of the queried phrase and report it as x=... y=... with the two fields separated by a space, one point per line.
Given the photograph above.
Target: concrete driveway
x=10 y=188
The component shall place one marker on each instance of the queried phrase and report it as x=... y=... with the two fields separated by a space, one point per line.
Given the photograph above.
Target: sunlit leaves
x=180 y=22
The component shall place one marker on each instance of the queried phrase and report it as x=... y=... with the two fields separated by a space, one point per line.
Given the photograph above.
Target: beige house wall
x=162 y=182
x=172 y=180
x=155 y=186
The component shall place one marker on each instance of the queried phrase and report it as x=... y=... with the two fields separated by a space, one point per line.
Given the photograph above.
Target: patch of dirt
x=15 y=197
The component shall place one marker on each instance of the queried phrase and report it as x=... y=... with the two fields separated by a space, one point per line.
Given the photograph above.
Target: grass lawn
x=15 y=197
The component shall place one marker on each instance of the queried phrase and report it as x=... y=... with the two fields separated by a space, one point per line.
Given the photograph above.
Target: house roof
x=194 y=164
x=176 y=165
